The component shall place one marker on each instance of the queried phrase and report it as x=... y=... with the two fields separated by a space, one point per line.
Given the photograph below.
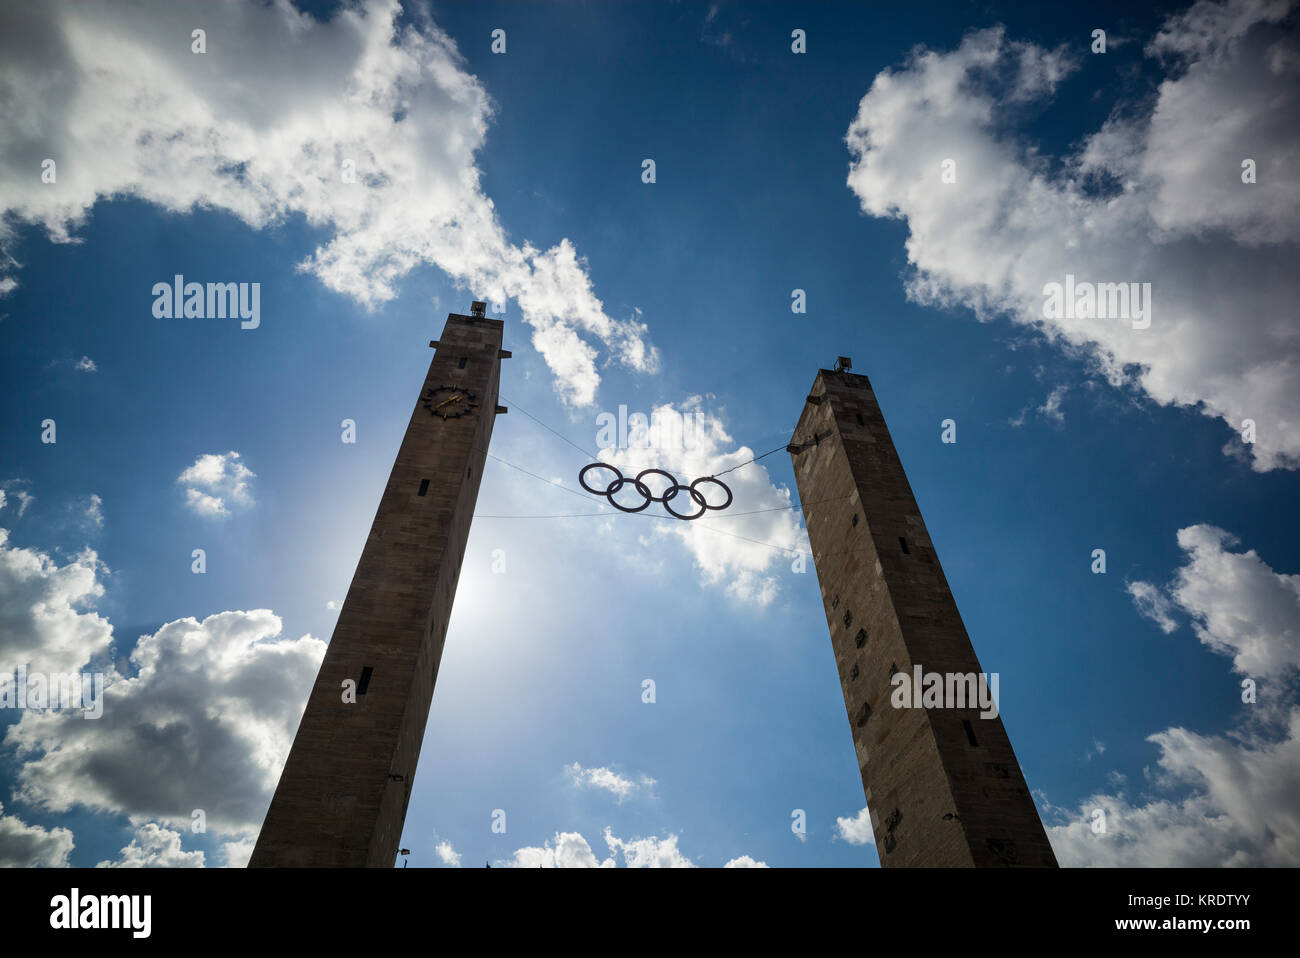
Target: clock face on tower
x=450 y=402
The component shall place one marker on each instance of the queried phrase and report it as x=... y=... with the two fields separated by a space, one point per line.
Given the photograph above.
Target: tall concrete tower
x=942 y=783
x=343 y=793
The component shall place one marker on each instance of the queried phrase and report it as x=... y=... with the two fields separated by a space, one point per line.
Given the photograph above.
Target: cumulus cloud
x=620 y=786
x=364 y=127
x=46 y=620
x=648 y=852
x=1239 y=789
x=1154 y=196
x=155 y=847
x=566 y=850
x=856 y=829
x=237 y=853
x=30 y=846
x=86 y=365
x=1241 y=810
x=216 y=482
x=448 y=855
x=205 y=722
x=741 y=553
x=1237 y=604
x=571 y=850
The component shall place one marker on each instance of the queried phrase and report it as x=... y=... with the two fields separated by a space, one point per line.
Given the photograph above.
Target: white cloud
x=1241 y=810
x=571 y=850
x=45 y=622
x=1153 y=196
x=86 y=365
x=1051 y=408
x=215 y=480
x=31 y=846
x=262 y=125
x=206 y=722
x=1237 y=604
x=1239 y=789
x=203 y=719
x=566 y=850
x=649 y=852
x=856 y=830
x=155 y=847
x=13 y=488
x=93 y=511
x=607 y=779
x=237 y=853
x=1152 y=604
x=448 y=855
x=743 y=553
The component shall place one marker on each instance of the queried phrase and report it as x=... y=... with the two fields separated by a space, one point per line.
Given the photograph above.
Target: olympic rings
x=643 y=490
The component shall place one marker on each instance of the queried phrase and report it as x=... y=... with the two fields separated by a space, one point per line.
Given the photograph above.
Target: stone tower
x=942 y=783
x=342 y=796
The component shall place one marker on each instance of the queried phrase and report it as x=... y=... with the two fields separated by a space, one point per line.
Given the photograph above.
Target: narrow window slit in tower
x=461 y=364
x=861 y=638
x=902 y=544
x=970 y=733
x=365 y=680
x=424 y=487
x=860 y=422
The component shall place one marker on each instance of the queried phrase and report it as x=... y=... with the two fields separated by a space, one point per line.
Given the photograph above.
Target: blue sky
x=1063 y=447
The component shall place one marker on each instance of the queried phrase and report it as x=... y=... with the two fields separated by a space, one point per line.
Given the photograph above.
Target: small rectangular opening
x=860 y=422
x=424 y=487
x=461 y=364
x=902 y=544
x=970 y=733
x=365 y=680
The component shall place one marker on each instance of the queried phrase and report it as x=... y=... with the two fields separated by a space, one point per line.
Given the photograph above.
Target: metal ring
x=597 y=465
x=645 y=492
x=641 y=488
x=719 y=482
x=675 y=485
x=698 y=499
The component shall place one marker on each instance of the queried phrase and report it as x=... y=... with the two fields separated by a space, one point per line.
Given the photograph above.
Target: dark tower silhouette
x=342 y=796
x=942 y=784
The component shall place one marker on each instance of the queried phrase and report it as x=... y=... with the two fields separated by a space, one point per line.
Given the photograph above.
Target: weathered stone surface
x=342 y=796
x=935 y=798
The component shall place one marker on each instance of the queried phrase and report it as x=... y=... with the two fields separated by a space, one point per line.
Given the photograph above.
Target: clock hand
x=445 y=401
